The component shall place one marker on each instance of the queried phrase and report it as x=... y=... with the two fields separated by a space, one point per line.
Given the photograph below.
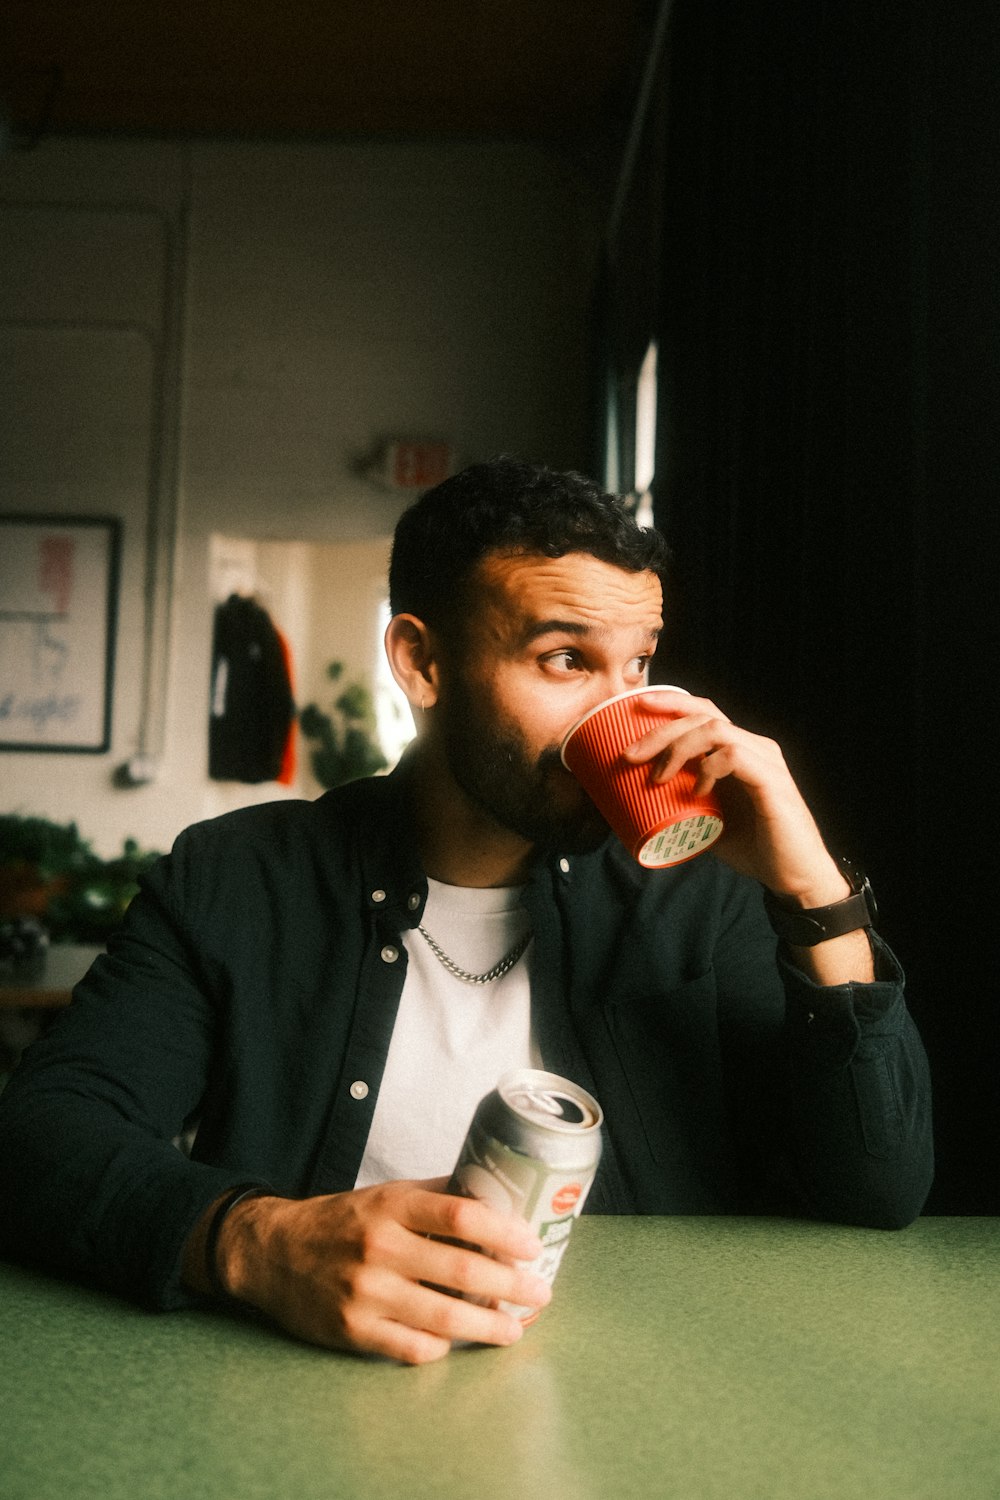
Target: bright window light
x=612 y=466
x=645 y=422
x=645 y=438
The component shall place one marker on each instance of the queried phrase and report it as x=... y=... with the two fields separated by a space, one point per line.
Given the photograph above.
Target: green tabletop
x=688 y=1358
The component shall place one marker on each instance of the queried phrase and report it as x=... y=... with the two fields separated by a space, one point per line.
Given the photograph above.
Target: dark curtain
x=826 y=308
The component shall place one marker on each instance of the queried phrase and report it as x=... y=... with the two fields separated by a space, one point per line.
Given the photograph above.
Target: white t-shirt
x=452 y=1040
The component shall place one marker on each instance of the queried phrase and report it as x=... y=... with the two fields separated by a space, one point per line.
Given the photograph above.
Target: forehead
x=520 y=591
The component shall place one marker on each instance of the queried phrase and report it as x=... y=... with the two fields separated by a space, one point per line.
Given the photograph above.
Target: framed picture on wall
x=58 y=607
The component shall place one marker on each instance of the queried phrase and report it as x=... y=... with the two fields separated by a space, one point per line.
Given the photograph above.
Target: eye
x=565 y=660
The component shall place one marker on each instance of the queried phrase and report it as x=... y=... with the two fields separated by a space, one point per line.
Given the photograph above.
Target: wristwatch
x=805 y=927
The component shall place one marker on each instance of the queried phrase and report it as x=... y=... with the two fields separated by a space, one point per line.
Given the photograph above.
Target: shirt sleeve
x=91 y=1179
x=833 y=1092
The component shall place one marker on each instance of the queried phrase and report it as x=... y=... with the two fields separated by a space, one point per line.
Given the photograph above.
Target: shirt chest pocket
x=678 y=1019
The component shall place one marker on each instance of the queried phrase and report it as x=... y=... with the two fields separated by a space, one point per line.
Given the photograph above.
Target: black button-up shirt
x=254 y=987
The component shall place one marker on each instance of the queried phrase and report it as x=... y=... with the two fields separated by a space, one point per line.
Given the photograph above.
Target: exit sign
x=418 y=465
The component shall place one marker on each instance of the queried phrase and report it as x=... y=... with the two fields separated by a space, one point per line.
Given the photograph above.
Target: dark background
x=827 y=314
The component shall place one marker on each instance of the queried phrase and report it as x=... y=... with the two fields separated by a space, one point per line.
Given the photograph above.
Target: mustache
x=550 y=758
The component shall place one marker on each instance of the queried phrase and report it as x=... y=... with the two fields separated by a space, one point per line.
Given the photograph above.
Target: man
x=329 y=987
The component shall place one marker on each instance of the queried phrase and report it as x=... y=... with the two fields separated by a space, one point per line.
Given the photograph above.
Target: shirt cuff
x=829 y=1022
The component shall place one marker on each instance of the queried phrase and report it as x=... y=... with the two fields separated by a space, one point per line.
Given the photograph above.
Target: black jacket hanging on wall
x=252 y=710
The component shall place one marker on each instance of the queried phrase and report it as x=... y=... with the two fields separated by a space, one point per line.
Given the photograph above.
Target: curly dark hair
x=506 y=506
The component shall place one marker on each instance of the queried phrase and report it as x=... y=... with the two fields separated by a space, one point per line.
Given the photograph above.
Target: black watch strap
x=804 y=928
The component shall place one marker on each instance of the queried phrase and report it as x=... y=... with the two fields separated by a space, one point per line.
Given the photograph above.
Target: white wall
x=325 y=598
x=208 y=338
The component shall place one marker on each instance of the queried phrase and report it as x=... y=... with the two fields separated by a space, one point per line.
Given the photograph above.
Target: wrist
x=824 y=884
x=238 y=1249
x=213 y=1243
x=830 y=909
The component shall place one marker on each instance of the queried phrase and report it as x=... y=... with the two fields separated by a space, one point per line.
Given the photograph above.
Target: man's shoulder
x=298 y=821
x=278 y=852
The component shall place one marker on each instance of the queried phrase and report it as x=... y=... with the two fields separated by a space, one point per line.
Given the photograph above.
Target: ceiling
x=562 y=70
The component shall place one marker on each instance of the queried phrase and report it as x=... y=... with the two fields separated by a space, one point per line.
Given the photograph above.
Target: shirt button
x=389 y=954
x=413 y=901
x=378 y=895
x=564 y=866
x=359 y=1089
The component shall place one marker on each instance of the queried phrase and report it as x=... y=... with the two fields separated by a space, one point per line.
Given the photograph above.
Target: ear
x=411 y=648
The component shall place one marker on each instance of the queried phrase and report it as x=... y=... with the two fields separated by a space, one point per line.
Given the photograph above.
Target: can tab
x=547 y=1102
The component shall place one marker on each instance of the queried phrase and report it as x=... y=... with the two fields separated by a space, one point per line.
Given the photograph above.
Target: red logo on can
x=566 y=1198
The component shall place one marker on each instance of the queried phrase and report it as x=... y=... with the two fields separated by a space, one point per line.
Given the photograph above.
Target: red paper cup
x=660 y=823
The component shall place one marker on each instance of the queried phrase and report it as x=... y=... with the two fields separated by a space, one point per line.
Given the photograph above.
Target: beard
x=531 y=794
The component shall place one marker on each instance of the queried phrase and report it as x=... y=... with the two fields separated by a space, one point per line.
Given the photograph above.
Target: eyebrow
x=576 y=628
x=554 y=627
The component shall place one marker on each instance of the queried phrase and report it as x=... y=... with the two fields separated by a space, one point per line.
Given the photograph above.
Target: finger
x=710 y=768
x=378 y=1323
x=464 y=1271
x=408 y=1321
x=676 y=703
x=408 y=1346
x=434 y=1312
x=716 y=765
x=469 y=1273
x=473 y=1222
x=461 y=1321
x=679 y=742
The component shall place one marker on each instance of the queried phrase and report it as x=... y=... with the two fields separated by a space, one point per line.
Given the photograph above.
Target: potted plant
x=38 y=861
x=50 y=874
x=345 y=745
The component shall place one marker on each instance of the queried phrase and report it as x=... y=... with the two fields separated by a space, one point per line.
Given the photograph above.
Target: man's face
x=550 y=638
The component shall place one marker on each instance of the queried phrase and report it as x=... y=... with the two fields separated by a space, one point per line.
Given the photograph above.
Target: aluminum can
x=533 y=1149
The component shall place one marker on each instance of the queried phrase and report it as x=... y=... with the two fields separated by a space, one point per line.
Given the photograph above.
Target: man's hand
x=357 y=1270
x=769 y=833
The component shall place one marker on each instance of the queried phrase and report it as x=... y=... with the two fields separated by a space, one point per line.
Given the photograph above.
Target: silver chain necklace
x=497 y=971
